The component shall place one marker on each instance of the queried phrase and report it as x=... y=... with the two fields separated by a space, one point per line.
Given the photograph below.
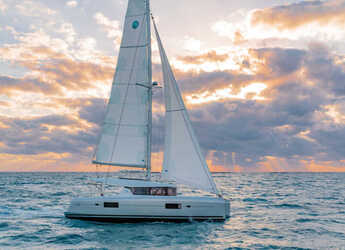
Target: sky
x=264 y=81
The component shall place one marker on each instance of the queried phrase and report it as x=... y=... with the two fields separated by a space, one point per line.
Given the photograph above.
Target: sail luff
x=176 y=160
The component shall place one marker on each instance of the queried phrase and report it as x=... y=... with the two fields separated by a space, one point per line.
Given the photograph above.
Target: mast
x=149 y=135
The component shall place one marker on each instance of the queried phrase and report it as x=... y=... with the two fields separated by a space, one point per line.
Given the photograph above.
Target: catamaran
x=126 y=139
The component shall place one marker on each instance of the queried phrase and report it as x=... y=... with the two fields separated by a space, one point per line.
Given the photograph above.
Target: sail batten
x=183 y=160
x=124 y=139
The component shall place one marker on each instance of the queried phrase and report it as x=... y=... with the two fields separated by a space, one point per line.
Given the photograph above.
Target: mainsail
x=183 y=160
x=125 y=139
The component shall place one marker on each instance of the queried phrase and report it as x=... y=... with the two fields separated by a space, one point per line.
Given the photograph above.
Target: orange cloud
x=313 y=166
x=210 y=56
x=302 y=13
x=53 y=72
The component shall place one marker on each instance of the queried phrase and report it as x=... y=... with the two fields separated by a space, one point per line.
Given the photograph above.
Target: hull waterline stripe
x=71 y=215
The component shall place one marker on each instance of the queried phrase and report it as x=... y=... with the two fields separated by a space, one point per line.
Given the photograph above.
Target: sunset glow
x=253 y=89
x=263 y=81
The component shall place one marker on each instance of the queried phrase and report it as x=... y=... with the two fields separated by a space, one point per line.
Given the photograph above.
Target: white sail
x=183 y=160
x=125 y=136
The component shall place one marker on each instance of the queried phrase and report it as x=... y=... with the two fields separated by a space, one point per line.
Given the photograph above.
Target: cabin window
x=140 y=190
x=171 y=191
x=156 y=191
x=111 y=204
x=173 y=206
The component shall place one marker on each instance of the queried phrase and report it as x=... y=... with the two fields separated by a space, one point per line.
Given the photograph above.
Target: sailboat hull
x=149 y=208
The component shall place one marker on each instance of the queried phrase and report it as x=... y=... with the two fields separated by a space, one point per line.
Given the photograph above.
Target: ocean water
x=268 y=211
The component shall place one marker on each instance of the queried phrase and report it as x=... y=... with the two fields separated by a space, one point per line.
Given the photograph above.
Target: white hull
x=149 y=208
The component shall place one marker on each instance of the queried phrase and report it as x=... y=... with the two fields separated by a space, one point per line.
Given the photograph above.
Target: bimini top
x=130 y=182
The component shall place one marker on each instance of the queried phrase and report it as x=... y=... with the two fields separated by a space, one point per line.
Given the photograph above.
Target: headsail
x=183 y=160
x=125 y=137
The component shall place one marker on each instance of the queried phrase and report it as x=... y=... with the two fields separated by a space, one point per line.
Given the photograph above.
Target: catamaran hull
x=149 y=209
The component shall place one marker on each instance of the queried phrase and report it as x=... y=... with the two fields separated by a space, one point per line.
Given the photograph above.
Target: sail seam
x=130 y=84
x=134 y=46
x=125 y=125
x=175 y=110
x=141 y=14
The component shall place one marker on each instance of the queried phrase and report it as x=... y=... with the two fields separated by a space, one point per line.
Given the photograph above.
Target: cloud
x=285 y=126
x=52 y=72
x=298 y=14
x=34 y=9
x=72 y=4
x=271 y=108
x=302 y=109
x=191 y=44
x=290 y=26
x=276 y=61
x=3 y=6
x=9 y=85
x=210 y=56
x=111 y=27
x=93 y=110
x=43 y=135
x=321 y=68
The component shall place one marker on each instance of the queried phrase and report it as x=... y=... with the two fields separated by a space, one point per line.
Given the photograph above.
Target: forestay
x=125 y=139
x=183 y=160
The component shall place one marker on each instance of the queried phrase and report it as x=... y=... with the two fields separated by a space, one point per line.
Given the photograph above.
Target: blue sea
x=268 y=211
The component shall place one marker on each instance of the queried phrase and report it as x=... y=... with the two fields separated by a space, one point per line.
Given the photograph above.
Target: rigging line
x=126 y=95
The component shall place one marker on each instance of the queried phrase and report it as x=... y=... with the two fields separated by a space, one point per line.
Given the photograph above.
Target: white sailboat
x=125 y=141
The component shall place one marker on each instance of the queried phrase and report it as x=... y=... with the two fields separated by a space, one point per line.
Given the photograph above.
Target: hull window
x=172 y=206
x=111 y=204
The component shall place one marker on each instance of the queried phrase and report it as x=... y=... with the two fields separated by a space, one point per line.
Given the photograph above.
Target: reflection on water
x=267 y=211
